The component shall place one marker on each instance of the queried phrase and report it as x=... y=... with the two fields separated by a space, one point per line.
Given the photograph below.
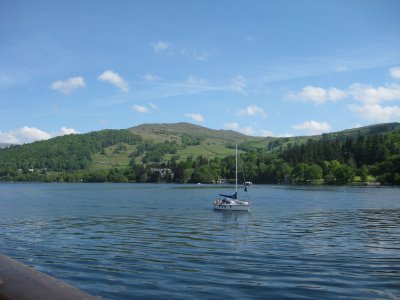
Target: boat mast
x=236 y=172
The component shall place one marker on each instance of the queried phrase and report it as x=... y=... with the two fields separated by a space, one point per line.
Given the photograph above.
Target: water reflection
x=237 y=216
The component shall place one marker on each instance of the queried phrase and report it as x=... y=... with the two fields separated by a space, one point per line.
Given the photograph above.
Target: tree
x=313 y=172
x=202 y=175
x=298 y=174
x=364 y=173
x=344 y=174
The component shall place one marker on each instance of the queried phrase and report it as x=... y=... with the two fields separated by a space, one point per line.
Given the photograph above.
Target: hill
x=186 y=148
x=179 y=131
x=193 y=140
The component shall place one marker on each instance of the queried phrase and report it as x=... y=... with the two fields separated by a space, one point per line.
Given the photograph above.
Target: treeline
x=376 y=155
x=62 y=154
x=327 y=160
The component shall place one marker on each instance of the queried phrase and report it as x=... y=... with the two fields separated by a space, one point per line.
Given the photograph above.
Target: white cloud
x=377 y=112
x=30 y=134
x=335 y=94
x=247 y=130
x=370 y=99
x=69 y=85
x=286 y=135
x=317 y=95
x=265 y=133
x=232 y=125
x=313 y=127
x=67 y=131
x=8 y=138
x=114 y=78
x=238 y=84
x=151 y=77
x=195 y=117
x=250 y=111
x=160 y=46
x=395 y=72
x=140 y=108
x=368 y=94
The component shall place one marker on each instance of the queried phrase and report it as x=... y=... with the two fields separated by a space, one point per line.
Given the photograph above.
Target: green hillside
x=180 y=131
x=196 y=153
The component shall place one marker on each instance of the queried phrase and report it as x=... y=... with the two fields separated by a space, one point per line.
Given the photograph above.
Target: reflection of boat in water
x=231 y=202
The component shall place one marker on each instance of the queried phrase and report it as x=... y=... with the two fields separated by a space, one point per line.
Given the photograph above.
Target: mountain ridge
x=192 y=151
x=182 y=127
x=162 y=130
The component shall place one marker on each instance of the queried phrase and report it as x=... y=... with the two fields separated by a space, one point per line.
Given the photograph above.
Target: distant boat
x=231 y=202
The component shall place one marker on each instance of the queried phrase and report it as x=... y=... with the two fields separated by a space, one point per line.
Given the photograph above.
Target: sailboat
x=231 y=202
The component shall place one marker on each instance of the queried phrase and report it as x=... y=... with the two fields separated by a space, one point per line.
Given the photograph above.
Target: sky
x=263 y=68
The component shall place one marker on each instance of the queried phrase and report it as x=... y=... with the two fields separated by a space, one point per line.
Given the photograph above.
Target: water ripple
x=193 y=252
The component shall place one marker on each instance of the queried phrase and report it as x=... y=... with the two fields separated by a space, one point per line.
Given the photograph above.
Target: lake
x=124 y=241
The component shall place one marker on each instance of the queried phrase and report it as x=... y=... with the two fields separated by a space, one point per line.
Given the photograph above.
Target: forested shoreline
x=361 y=159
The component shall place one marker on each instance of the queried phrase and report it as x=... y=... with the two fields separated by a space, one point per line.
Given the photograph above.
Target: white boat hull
x=231 y=205
x=237 y=207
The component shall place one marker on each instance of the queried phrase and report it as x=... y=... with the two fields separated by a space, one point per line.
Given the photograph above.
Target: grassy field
x=209 y=151
x=114 y=156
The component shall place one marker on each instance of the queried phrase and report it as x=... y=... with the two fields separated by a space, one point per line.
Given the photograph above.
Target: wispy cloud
x=161 y=46
x=201 y=55
x=346 y=60
x=30 y=134
x=247 y=130
x=231 y=125
x=395 y=72
x=151 y=77
x=196 y=82
x=115 y=79
x=313 y=127
x=140 y=108
x=238 y=84
x=195 y=117
x=164 y=89
x=266 y=133
x=251 y=110
x=168 y=48
x=9 y=78
x=69 y=85
x=153 y=106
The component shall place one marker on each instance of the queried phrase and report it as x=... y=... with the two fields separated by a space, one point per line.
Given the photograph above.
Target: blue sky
x=277 y=68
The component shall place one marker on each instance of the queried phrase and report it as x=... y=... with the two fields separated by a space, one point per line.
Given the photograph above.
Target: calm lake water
x=123 y=241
